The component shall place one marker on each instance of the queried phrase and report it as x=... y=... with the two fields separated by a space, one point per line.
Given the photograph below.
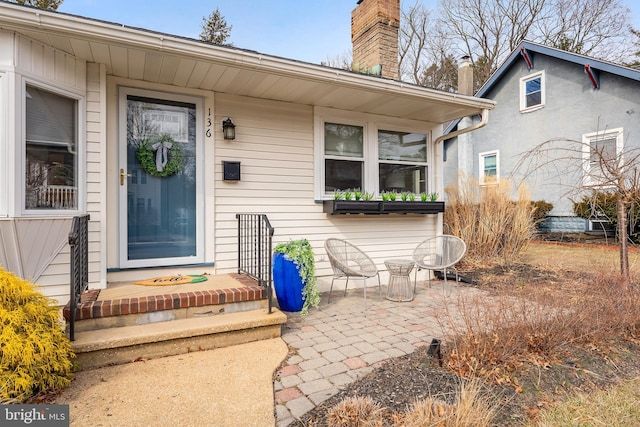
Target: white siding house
x=102 y=86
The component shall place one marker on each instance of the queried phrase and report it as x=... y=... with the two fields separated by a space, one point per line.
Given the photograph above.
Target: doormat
x=172 y=280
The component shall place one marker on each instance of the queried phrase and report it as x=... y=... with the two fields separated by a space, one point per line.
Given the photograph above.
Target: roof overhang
x=150 y=56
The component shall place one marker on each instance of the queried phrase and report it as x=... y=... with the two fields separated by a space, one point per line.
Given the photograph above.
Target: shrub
x=540 y=210
x=492 y=224
x=35 y=354
x=604 y=205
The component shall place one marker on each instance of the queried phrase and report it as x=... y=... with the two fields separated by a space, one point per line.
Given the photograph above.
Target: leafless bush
x=492 y=224
x=498 y=335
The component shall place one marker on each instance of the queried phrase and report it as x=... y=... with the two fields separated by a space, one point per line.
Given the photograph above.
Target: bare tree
x=488 y=29
x=591 y=167
x=41 y=4
x=342 y=61
x=413 y=43
x=597 y=28
x=635 y=61
x=215 y=29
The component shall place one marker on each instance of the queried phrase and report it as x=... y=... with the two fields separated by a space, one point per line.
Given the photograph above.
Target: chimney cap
x=465 y=60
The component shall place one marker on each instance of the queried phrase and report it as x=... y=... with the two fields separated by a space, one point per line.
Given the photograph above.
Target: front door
x=158 y=180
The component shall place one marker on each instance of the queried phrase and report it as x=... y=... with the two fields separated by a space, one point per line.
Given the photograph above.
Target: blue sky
x=306 y=30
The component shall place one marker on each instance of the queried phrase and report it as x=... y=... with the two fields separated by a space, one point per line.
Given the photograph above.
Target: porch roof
x=155 y=57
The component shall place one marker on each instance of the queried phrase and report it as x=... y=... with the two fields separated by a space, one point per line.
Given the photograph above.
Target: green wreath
x=147 y=156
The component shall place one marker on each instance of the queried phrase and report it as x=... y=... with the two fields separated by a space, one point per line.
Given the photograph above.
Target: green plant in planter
x=404 y=196
x=433 y=197
x=367 y=196
x=424 y=197
x=301 y=254
x=338 y=195
x=385 y=196
x=392 y=196
x=412 y=197
x=357 y=194
x=348 y=195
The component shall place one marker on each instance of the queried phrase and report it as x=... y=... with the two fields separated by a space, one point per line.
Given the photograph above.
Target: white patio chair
x=347 y=260
x=438 y=253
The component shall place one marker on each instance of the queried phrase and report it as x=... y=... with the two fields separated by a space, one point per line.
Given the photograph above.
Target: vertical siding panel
x=49 y=71
x=95 y=154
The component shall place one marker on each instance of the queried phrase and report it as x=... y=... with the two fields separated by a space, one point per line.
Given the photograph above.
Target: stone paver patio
x=339 y=342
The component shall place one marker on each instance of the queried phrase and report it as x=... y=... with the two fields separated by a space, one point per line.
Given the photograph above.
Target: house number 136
x=208 y=131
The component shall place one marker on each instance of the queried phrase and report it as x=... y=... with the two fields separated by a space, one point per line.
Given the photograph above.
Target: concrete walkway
x=341 y=341
x=227 y=387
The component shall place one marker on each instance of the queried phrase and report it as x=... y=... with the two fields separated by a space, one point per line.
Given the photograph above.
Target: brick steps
x=121 y=329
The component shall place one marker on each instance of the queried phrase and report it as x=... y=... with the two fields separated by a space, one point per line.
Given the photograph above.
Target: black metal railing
x=255 y=239
x=79 y=266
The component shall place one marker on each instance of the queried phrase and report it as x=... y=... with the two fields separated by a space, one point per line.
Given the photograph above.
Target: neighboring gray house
x=542 y=94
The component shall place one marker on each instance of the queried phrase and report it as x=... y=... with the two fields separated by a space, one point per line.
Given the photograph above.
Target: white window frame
x=80 y=150
x=523 y=91
x=4 y=147
x=371 y=125
x=481 y=167
x=428 y=164
x=366 y=177
x=587 y=139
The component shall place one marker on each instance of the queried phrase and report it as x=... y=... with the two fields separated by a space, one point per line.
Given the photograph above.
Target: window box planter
x=340 y=207
x=337 y=207
x=401 y=207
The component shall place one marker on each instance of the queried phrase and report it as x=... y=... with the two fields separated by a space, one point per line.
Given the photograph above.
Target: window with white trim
x=372 y=158
x=51 y=150
x=601 y=150
x=489 y=167
x=343 y=157
x=532 y=91
x=402 y=161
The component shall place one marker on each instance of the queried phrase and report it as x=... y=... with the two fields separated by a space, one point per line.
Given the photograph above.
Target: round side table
x=399 y=288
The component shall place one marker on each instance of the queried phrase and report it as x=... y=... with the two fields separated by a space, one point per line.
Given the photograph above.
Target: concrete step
x=117 y=345
x=120 y=321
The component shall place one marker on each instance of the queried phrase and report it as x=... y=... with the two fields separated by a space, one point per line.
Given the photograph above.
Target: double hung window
x=343 y=157
x=532 y=91
x=372 y=159
x=489 y=168
x=51 y=159
x=601 y=152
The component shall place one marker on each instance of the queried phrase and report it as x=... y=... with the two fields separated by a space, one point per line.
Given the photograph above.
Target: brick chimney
x=465 y=76
x=374 y=35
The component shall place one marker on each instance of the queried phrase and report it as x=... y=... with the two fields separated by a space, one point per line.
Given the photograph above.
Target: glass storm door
x=158 y=182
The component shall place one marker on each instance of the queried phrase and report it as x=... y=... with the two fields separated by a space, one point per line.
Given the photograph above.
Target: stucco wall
x=573 y=108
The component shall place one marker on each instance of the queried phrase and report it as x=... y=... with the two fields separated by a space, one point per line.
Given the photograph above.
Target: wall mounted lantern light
x=228 y=129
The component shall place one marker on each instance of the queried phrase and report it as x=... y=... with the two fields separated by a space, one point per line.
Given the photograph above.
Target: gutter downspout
x=483 y=122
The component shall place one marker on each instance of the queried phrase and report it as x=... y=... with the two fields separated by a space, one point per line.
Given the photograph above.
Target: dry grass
x=471 y=408
x=356 y=412
x=616 y=407
x=492 y=224
x=531 y=324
